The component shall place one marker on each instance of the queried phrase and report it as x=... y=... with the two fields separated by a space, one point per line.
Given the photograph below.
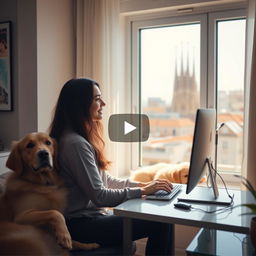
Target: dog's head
x=177 y=173
x=35 y=152
x=183 y=173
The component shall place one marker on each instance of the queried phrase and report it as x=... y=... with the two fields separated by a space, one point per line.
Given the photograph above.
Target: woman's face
x=97 y=104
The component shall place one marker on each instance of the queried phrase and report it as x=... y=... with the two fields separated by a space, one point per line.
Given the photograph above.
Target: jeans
x=108 y=231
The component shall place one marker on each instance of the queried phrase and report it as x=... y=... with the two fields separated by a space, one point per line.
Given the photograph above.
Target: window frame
x=213 y=18
x=208 y=85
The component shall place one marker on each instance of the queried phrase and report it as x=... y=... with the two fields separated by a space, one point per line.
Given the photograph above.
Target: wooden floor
x=183 y=237
x=141 y=244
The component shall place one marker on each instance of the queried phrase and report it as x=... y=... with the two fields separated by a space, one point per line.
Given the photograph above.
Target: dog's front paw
x=64 y=239
x=89 y=246
x=84 y=246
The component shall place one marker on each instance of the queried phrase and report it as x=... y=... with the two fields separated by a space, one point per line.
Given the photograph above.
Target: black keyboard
x=164 y=195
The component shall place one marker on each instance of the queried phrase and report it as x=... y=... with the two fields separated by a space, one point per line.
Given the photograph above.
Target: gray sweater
x=89 y=189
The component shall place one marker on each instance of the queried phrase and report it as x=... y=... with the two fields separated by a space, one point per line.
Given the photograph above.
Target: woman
x=77 y=128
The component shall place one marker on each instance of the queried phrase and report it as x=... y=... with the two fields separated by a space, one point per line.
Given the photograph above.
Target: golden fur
x=33 y=202
x=176 y=173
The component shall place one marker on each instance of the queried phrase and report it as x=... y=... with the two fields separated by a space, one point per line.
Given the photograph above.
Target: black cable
x=218 y=210
x=231 y=197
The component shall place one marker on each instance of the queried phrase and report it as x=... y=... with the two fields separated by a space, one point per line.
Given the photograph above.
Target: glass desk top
x=215 y=242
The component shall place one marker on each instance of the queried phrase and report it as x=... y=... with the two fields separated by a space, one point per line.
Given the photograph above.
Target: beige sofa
x=2 y=180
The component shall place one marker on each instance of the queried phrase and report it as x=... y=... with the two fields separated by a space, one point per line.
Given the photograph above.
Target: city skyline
x=163 y=48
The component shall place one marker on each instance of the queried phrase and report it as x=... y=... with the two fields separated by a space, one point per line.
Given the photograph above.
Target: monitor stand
x=212 y=175
x=206 y=195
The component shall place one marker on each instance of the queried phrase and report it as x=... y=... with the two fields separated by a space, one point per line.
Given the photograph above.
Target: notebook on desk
x=165 y=196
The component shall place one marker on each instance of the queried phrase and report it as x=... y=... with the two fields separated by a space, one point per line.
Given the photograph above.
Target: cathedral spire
x=181 y=62
x=187 y=69
x=176 y=62
x=176 y=79
x=193 y=72
x=185 y=94
x=193 y=77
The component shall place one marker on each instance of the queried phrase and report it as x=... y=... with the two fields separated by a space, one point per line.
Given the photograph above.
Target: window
x=230 y=91
x=180 y=64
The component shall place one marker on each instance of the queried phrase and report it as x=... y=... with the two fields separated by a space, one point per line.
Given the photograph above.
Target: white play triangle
x=128 y=127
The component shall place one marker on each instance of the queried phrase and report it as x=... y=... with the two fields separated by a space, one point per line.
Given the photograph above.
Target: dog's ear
x=203 y=179
x=184 y=169
x=14 y=161
x=181 y=176
x=55 y=154
x=176 y=176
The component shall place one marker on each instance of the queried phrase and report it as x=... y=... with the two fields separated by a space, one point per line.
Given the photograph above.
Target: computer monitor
x=202 y=147
x=201 y=158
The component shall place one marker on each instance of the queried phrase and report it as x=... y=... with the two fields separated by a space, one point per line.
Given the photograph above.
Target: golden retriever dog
x=34 y=199
x=147 y=173
x=176 y=173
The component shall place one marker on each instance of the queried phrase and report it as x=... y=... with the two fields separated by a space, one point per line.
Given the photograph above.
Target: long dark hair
x=72 y=111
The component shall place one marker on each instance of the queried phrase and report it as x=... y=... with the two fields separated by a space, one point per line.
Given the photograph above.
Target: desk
x=162 y=211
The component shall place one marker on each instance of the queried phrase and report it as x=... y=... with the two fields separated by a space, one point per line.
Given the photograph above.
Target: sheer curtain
x=99 y=55
x=250 y=116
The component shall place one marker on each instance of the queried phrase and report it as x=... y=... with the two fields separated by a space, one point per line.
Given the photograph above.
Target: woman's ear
x=14 y=161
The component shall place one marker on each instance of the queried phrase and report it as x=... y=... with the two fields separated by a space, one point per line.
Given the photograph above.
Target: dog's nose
x=42 y=154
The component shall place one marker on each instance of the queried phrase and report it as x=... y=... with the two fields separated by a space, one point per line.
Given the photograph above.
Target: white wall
x=26 y=56
x=55 y=54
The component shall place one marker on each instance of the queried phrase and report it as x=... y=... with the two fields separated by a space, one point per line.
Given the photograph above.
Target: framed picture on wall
x=5 y=67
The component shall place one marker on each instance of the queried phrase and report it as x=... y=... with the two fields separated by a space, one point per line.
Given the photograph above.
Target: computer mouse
x=183 y=206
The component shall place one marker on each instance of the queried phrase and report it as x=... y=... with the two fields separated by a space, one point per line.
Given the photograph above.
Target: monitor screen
x=203 y=146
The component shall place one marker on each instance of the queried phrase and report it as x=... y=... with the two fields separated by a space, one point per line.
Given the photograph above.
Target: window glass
x=230 y=88
x=170 y=90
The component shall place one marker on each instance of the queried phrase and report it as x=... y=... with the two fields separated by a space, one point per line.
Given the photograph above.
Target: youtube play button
x=128 y=127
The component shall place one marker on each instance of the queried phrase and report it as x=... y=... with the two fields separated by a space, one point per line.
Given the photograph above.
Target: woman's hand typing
x=155 y=185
